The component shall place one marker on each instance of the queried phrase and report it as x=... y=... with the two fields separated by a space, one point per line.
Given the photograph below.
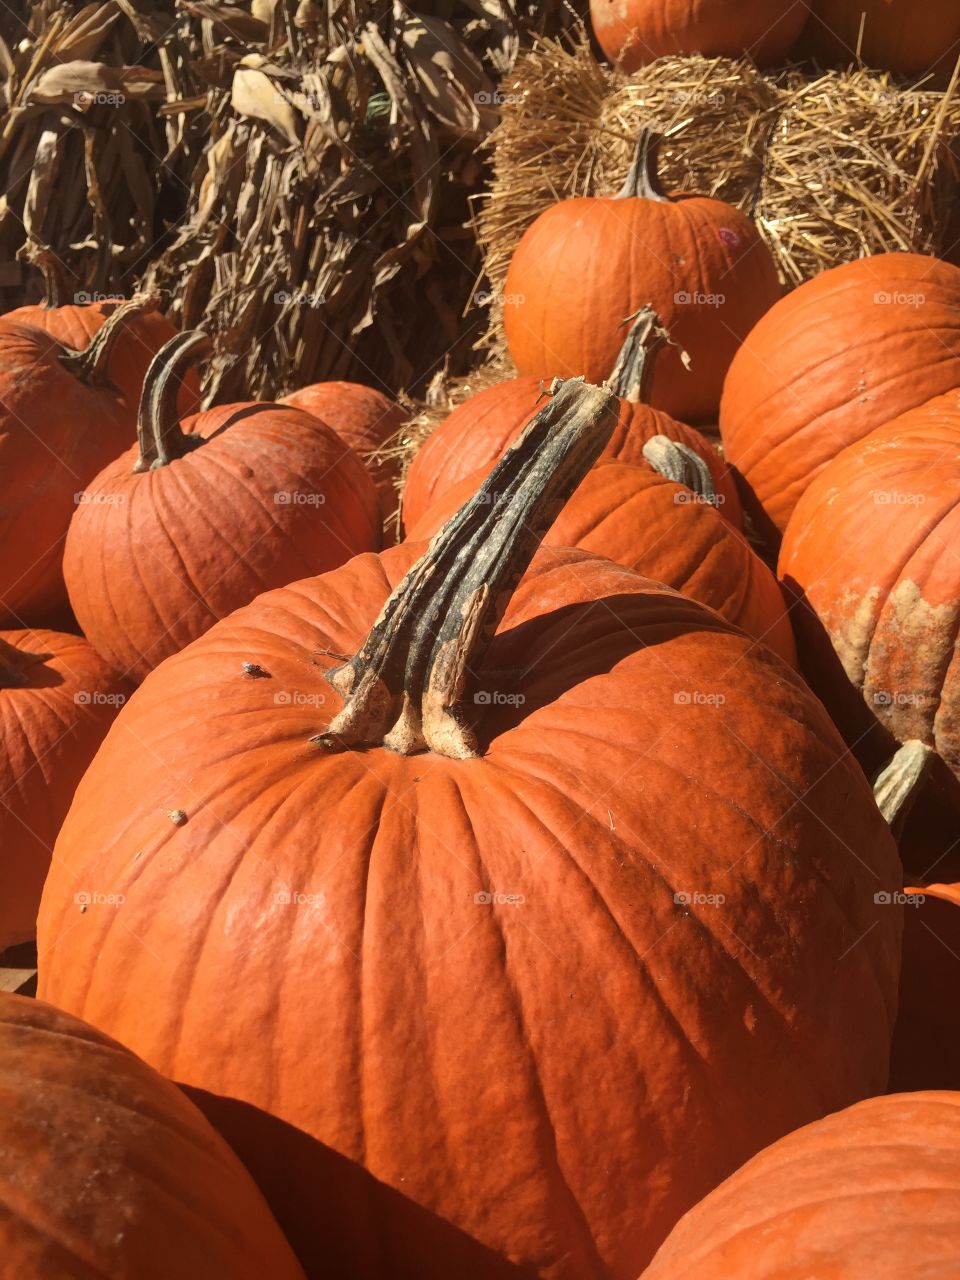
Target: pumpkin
x=871 y=1191
x=841 y=355
x=76 y=323
x=886 y=34
x=60 y=422
x=667 y=531
x=586 y=263
x=57 y=698
x=202 y=516
x=870 y=547
x=634 y=32
x=365 y=420
x=106 y=1169
x=479 y=430
x=469 y=890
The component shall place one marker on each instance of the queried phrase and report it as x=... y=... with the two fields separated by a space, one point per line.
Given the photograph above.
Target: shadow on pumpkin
x=340 y=1220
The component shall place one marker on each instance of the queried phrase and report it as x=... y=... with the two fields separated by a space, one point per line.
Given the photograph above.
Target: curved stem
x=404 y=689
x=159 y=433
x=90 y=364
x=643 y=180
x=681 y=464
x=633 y=373
x=899 y=782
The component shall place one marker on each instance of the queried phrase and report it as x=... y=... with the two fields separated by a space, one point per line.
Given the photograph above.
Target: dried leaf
x=255 y=95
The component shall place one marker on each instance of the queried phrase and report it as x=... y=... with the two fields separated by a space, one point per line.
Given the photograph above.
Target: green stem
x=643 y=180
x=159 y=433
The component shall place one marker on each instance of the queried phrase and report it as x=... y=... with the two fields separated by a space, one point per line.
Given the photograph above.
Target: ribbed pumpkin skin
x=893 y=38
x=441 y=1043
x=640 y=31
x=107 y=1170
x=636 y=517
x=871 y=544
x=363 y=418
x=154 y=559
x=55 y=435
x=873 y=1191
x=57 y=699
x=142 y=338
x=479 y=431
x=829 y=364
x=587 y=263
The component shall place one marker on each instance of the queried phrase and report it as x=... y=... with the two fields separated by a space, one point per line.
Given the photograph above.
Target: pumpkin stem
x=899 y=783
x=159 y=433
x=643 y=180
x=633 y=373
x=405 y=688
x=54 y=281
x=682 y=465
x=90 y=364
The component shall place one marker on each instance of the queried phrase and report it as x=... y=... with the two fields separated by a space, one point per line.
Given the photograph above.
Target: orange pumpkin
x=662 y=529
x=634 y=32
x=478 y=431
x=107 y=1170
x=870 y=545
x=587 y=263
x=57 y=698
x=202 y=516
x=890 y=34
x=454 y=874
x=843 y=354
x=871 y=1191
x=365 y=420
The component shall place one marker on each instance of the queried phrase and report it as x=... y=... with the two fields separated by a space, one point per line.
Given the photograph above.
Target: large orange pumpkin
x=871 y=1191
x=587 y=263
x=664 y=530
x=107 y=1170
x=843 y=354
x=202 y=516
x=364 y=419
x=871 y=547
x=57 y=698
x=501 y=927
x=479 y=430
x=635 y=32
x=896 y=35
x=60 y=422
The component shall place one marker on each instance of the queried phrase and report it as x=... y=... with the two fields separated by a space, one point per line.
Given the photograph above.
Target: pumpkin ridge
x=45 y=1232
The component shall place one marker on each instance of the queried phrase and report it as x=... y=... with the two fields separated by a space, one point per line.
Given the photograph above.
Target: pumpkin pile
x=532 y=856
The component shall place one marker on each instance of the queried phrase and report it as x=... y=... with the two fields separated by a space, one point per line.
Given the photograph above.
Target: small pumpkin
x=57 y=699
x=870 y=547
x=61 y=420
x=365 y=419
x=841 y=355
x=886 y=34
x=76 y=324
x=478 y=431
x=586 y=263
x=634 y=32
x=667 y=529
x=870 y=1191
x=106 y=1169
x=525 y=830
x=203 y=515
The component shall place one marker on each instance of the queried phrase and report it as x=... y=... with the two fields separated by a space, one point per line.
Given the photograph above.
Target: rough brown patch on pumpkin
x=851 y=626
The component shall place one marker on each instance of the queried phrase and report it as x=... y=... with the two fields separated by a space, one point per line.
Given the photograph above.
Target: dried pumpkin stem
x=643 y=180
x=682 y=465
x=159 y=433
x=633 y=373
x=406 y=686
x=54 y=282
x=90 y=364
x=899 y=783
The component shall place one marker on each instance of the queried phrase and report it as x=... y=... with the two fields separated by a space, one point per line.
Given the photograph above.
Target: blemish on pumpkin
x=750 y=1018
x=851 y=637
x=253 y=671
x=177 y=817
